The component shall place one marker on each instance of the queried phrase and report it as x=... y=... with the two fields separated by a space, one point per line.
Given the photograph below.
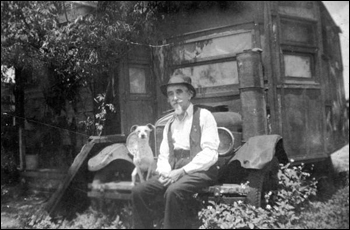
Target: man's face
x=179 y=98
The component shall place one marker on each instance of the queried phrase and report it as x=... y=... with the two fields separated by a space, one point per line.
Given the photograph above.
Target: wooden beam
x=51 y=205
x=110 y=195
x=121 y=185
x=226 y=200
x=227 y=189
x=117 y=138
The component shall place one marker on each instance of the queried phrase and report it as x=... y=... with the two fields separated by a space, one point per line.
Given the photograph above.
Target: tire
x=325 y=174
x=256 y=180
x=261 y=181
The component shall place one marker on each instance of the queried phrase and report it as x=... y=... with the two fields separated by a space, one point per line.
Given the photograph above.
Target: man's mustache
x=178 y=101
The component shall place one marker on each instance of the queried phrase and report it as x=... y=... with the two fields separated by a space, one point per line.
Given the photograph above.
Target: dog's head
x=142 y=131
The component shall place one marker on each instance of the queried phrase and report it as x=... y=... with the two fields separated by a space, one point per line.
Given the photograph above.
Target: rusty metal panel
x=213 y=46
x=293 y=31
x=297 y=65
x=304 y=9
x=252 y=94
x=303 y=123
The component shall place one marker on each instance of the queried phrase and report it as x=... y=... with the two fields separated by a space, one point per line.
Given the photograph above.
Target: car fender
x=257 y=151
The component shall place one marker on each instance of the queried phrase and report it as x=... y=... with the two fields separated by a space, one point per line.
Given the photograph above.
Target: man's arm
x=163 y=166
x=209 y=144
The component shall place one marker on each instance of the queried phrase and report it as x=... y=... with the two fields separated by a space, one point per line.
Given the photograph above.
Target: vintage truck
x=248 y=158
x=246 y=169
x=270 y=72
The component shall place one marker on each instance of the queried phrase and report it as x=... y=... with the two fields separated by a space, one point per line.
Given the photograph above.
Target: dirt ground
x=17 y=209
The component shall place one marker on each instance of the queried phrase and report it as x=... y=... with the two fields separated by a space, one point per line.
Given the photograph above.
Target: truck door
x=299 y=101
x=303 y=122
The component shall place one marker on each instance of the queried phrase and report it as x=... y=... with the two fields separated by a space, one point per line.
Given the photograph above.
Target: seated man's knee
x=137 y=190
x=172 y=191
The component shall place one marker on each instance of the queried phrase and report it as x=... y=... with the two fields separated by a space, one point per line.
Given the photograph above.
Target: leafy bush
x=296 y=186
x=295 y=189
x=237 y=215
x=282 y=209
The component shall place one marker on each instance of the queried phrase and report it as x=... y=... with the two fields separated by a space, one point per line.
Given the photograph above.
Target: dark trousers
x=175 y=198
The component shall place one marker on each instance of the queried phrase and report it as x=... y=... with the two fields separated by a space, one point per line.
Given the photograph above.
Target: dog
x=143 y=154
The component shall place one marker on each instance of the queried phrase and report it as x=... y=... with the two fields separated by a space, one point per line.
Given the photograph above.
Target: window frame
x=147 y=69
x=299 y=48
x=281 y=8
x=303 y=22
x=216 y=91
x=312 y=65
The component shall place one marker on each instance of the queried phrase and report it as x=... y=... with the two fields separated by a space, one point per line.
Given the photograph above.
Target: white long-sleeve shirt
x=180 y=130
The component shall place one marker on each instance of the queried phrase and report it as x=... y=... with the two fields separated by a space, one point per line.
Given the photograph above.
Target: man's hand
x=164 y=179
x=176 y=174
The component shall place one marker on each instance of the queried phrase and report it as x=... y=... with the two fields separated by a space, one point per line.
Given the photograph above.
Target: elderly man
x=187 y=159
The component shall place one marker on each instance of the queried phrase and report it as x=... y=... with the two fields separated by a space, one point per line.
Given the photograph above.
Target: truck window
x=297 y=65
x=137 y=77
x=208 y=46
x=298 y=43
x=211 y=60
x=212 y=75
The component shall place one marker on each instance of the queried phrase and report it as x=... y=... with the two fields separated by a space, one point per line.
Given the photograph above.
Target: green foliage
x=46 y=223
x=24 y=25
x=100 y=116
x=89 y=219
x=77 y=49
x=76 y=52
x=282 y=210
x=295 y=187
x=237 y=215
x=112 y=214
x=332 y=214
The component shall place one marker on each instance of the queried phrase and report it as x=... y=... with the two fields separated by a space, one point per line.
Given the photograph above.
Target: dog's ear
x=150 y=126
x=133 y=128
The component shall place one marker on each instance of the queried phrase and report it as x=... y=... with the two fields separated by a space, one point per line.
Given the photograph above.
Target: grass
x=333 y=214
x=17 y=211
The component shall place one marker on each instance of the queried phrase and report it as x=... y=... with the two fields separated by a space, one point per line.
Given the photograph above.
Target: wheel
x=260 y=181
x=256 y=180
x=325 y=174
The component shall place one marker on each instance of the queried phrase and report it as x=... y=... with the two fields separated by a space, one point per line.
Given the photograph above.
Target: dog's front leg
x=140 y=174
x=149 y=172
x=133 y=176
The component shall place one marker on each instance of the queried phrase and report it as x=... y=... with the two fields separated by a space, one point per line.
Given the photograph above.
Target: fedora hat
x=178 y=80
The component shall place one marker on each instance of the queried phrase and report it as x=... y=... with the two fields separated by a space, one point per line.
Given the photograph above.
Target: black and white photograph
x=174 y=114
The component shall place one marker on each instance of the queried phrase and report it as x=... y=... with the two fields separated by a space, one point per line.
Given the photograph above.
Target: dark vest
x=195 y=147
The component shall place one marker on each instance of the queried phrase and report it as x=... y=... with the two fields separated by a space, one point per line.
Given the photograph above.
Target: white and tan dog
x=143 y=155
